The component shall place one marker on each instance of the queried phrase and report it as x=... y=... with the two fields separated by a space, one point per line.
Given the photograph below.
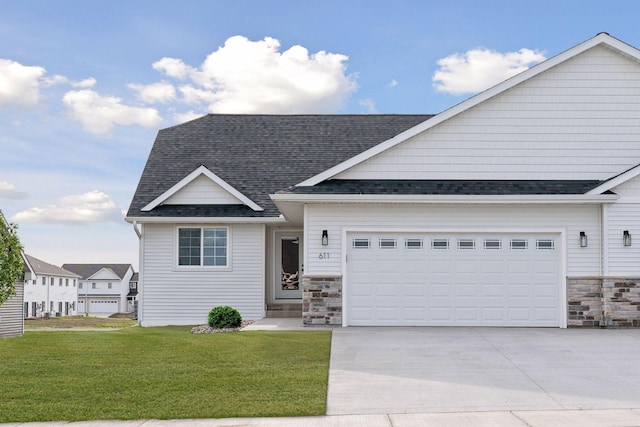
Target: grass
x=77 y=322
x=162 y=373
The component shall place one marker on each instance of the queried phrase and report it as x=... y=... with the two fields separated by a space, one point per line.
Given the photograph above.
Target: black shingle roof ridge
x=260 y=154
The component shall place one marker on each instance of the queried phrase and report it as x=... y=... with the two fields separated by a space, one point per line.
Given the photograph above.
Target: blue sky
x=85 y=85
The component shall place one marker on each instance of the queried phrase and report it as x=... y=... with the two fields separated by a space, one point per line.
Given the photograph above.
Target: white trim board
x=202 y=170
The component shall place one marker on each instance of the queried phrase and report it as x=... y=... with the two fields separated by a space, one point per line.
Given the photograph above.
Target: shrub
x=224 y=317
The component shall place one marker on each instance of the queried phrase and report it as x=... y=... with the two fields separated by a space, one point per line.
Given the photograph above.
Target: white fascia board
x=448 y=199
x=108 y=270
x=601 y=38
x=206 y=220
x=617 y=180
x=202 y=170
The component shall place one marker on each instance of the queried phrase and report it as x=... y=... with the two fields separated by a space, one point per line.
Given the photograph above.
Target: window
x=51 y=281
x=440 y=244
x=60 y=281
x=466 y=244
x=109 y=285
x=361 y=243
x=80 y=285
x=202 y=247
x=93 y=286
x=545 y=243
x=519 y=244
x=413 y=243
x=74 y=283
x=387 y=243
x=492 y=243
x=66 y=282
x=44 y=280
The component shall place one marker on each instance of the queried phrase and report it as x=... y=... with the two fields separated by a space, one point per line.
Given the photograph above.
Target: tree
x=11 y=264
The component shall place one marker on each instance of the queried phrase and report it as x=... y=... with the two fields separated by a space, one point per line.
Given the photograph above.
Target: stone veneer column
x=603 y=301
x=322 y=300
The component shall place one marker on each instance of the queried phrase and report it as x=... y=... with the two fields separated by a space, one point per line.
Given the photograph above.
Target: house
x=517 y=207
x=102 y=288
x=11 y=320
x=132 y=296
x=49 y=290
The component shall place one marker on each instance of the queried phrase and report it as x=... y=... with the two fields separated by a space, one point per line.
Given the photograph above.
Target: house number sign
x=323 y=255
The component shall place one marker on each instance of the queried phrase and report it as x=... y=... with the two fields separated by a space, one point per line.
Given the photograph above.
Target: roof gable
x=104 y=274
x=42 y=268
x=202 y=187
x=86 y=271
x=601 y=39
x=257 y=155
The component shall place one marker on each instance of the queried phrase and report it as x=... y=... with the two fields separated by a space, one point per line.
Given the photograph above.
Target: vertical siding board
x=334 y=218
x=178 y=297
x=11 y=314
x=578 y=120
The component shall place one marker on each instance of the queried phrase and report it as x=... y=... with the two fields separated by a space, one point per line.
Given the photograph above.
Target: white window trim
x=176 y=249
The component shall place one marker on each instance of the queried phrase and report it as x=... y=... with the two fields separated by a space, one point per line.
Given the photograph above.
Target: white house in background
x=49 y=290
x=517 y=207
x=102 y=288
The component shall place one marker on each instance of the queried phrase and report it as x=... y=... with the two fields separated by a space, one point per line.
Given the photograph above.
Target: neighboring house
x=11 y=320
x=132 y=296
x=49 y=290
x=517 y=207
x=102 y=288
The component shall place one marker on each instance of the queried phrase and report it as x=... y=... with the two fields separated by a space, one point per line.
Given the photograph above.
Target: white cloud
x=185 y=117
x=19 y=84
x=8 y=191
x=88 y=82
x=369 y=104
x=393 y=83
x=155 y=93
x=98 y=114
x=244 y=76
x=479 y=69
x=88 y=208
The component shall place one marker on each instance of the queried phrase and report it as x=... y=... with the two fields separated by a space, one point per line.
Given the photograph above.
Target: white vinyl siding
x=202 y=191
x=173 y=296
x=479 y=218
x=578 y=120
x=623 y=260
x=12 y=314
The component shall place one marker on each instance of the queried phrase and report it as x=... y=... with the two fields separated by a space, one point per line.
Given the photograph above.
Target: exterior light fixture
x=626 y=238
x=325 y=238
x=583 y=239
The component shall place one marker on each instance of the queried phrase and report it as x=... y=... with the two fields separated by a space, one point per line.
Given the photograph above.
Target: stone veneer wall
x=322 y=300
x=603 y=301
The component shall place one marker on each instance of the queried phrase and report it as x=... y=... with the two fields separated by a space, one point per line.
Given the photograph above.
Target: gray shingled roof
x=87 y=270
x=42 y=268
x=257 y=154
x=448 y=187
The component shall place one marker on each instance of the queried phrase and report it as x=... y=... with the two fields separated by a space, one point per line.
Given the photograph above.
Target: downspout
x=137 y=230
x=604 y=251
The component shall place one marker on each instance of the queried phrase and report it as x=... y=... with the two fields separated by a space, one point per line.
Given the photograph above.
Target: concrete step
x=284 y=310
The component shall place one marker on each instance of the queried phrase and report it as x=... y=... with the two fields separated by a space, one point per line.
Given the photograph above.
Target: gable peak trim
x=599 y=39
x=202 y=170
x=616 y=180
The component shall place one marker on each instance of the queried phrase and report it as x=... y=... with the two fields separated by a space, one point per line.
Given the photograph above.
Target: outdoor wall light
x=325 y=238
x=626 y=238
x=583 y=239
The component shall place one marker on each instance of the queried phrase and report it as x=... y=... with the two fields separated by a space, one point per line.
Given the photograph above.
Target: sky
x=85 y=85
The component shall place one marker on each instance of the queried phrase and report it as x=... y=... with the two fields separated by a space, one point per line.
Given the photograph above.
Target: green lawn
x=162 y=373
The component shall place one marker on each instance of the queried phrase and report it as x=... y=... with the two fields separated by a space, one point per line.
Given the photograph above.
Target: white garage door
x=404 y=279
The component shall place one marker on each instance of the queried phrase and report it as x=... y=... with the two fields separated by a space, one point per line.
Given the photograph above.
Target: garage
x=454 y=279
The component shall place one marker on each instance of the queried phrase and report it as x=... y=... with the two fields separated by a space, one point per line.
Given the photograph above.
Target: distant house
x=519 y=207
x=132 y=296
x=102 y=288
x=49 y=290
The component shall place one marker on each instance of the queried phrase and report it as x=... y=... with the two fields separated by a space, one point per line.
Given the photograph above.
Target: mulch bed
x=206 y=329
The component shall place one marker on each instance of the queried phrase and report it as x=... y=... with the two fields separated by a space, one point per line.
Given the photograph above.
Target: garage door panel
x=465 y=279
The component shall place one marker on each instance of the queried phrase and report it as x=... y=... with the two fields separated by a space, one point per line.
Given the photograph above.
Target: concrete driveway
x=418 y=370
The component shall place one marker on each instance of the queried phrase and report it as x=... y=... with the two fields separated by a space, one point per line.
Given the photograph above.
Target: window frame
x=201 y=267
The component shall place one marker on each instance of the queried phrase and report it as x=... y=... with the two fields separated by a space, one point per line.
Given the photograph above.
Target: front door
x=289 y=267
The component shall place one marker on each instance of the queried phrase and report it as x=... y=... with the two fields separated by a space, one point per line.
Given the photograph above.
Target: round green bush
x=224 y=317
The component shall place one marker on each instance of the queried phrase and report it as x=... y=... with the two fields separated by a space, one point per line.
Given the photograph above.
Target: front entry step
x=278 y=311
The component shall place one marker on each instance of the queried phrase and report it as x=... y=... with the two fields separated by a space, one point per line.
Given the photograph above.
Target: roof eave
x=449 y=199
x=205 y=220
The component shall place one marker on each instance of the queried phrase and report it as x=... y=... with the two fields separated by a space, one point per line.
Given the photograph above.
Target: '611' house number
x=323 y=255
